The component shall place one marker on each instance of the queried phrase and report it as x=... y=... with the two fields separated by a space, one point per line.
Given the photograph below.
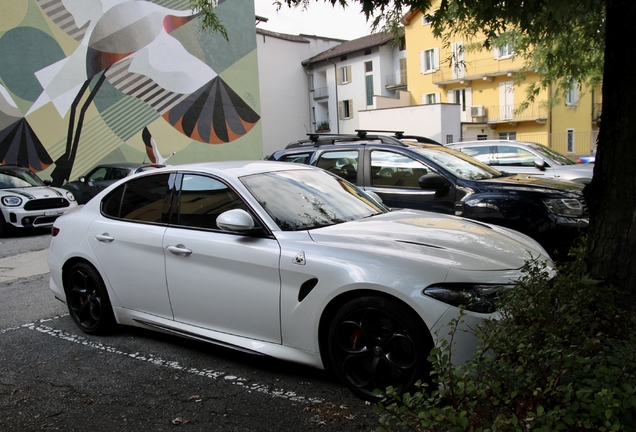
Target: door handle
x=104 y=238
x=179 y=250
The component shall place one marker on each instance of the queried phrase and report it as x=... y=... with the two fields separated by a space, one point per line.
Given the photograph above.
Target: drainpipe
x=550 y=116
x=335 y=75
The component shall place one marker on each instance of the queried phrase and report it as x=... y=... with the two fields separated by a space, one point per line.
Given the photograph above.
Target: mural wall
x=84 y=82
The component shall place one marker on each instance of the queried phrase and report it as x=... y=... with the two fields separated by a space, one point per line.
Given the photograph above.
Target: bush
x=560 y=357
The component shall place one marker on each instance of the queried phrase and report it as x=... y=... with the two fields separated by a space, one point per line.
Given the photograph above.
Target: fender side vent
x=306 y=288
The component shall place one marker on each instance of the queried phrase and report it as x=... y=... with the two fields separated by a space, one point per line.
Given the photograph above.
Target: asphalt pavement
x=54 y=377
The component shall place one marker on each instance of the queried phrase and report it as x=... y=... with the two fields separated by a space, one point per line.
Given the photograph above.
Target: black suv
x=419 y=173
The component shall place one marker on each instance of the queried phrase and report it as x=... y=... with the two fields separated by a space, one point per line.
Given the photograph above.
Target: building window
x=344 y=75
x=449 y=139
x=430 y=98
x=570 y=140
x=572 y=95
x=345 y=109
x=368 y=66
x=369 y=89
x=426 y=20
x=367 y=51
x=512 y=136
x=482 y=137
x=429 y=60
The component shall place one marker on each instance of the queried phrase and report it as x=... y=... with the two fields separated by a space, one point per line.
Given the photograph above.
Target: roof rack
x=361 y=134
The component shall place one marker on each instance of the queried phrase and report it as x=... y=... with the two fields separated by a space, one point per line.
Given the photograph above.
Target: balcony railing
x=396 y=79
x=478 y=69
x=536 y=111
x=321 y=93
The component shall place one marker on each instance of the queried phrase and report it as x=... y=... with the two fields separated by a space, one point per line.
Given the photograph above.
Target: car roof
x=131 y=165
x=479 y=142
x=362 y=136
x=235 y=168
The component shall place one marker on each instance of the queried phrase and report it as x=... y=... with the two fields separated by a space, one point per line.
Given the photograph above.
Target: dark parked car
x=102 y=176
x=427 y=176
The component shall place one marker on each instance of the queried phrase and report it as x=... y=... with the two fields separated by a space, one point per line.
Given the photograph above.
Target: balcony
x=511 y=114
x=483 y=69
x=321 y=93
x=396 y=81
x=323 y=126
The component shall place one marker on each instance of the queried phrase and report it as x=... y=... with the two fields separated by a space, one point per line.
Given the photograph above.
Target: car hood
x=533 y=183
x=424 y=236
x=37 y=192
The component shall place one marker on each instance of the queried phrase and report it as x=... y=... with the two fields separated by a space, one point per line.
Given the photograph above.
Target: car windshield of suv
x=556 y=157
x=306 y=199
x=458 y=163
x=18 y=178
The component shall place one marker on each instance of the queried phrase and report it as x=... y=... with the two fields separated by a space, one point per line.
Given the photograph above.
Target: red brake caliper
x=355 y=338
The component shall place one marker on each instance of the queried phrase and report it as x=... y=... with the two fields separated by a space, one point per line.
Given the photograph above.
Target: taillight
x=54 y=231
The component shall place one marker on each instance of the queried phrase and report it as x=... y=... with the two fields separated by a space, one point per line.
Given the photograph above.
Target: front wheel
x=375 y=343
x=88 y=301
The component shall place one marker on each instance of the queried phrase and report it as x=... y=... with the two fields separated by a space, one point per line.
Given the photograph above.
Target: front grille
x=46 y=204
x=586 y=212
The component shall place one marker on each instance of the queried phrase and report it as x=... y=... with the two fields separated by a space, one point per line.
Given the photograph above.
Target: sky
x=320 y=19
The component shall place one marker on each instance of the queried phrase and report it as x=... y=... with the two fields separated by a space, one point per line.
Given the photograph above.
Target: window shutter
x=340 y=110
x=450 y=96
x=350 y=102
x=496 y=53
x=339 y=76
x=435 y=58
x=422 y=62
x=348 y=74
x=437 y=97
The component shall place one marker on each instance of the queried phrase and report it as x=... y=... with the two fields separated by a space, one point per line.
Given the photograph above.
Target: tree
x=567 y=41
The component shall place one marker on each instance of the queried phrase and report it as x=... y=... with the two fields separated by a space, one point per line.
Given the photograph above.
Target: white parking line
x=158 y=361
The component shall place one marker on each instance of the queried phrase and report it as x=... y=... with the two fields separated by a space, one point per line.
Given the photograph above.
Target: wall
x=435 y=121
x=284 y=86
x=78 y=85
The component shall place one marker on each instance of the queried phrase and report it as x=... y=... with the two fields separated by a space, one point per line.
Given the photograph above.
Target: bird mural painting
x=127 y=41
x=152 y=150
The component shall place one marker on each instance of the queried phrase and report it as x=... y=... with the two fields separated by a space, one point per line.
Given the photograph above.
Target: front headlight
x=568 y=207
x=11 y=201
x=474 y=297
x=70 y=196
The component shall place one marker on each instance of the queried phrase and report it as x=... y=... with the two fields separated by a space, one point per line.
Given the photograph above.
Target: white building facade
x=354 y=76
x=284 y=85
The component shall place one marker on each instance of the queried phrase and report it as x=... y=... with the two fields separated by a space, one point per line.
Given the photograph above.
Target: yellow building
x=483 y=83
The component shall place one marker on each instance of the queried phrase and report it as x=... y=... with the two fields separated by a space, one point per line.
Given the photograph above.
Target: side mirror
x=539 y=164
x=47 y=182
x=374 y=195
x=235 y=220
x=433 y=181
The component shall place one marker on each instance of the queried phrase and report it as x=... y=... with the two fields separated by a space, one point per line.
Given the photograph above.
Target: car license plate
x=50 y=213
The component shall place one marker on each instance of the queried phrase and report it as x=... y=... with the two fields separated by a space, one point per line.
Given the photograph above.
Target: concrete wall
x=438 y=121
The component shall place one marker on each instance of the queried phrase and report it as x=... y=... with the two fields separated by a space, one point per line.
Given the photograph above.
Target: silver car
x=520 y=157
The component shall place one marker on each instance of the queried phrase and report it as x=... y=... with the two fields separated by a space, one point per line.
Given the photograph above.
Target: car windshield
x=556 y=157
x=306 y=199
x=458 y=163
x=18 y=178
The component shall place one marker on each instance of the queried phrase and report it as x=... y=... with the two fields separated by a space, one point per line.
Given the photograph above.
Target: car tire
x=87 y=300
x=377 y=342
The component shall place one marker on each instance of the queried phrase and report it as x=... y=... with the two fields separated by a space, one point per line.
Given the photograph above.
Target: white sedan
x=283 y=260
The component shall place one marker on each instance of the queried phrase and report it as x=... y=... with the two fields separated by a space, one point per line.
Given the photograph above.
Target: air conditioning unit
x=477 y=111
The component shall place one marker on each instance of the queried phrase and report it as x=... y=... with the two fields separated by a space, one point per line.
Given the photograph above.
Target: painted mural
x=84 y=82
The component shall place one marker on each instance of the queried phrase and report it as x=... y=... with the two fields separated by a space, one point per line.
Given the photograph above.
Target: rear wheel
x=375 y=343
x=88 y=301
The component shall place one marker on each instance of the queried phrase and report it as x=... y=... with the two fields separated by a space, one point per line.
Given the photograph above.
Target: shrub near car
x=26 y=201
x=284 y=260
x=427 y=176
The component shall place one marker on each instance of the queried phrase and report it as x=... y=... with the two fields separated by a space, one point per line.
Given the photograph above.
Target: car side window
x=145 y=199
x=302 y=158
x=390 y=169
x=514 y=156
x=118 y=173
x=99 y=174
x=202 y=199
x=341 y=163
x=482 y=153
